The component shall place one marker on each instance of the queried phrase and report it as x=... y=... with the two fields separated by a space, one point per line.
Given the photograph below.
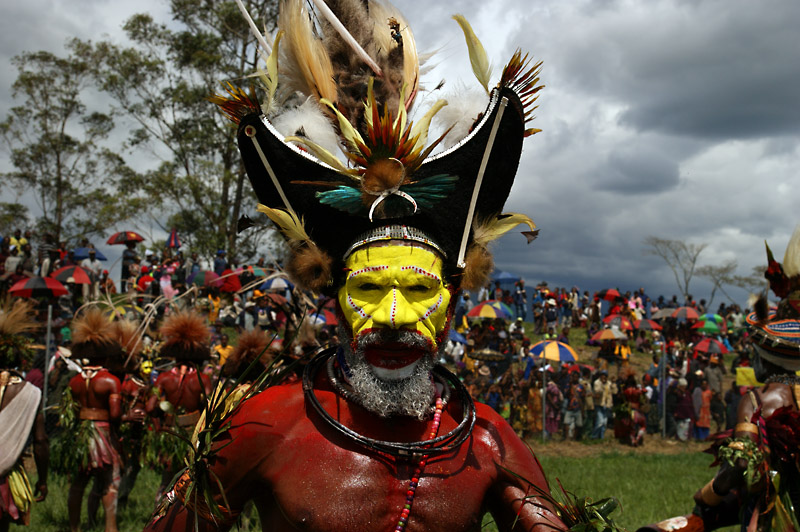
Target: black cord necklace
x=437 y=446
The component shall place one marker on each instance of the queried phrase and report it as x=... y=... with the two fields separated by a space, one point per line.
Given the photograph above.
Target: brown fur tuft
x=93 y=337
x=478 y=268
x=310 y=268
x=125 y=332
x=185 y=336
x=761 y=308
x=251 y=345
x=92 y=326
x=17 y=317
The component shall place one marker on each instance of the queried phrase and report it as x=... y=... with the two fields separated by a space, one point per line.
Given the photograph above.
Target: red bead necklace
x=412 y=486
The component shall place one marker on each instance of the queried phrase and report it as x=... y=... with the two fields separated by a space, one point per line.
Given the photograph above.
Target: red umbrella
x=710 y=345
x=685 y=312
x=647 y=325
x=123 y=237
x=620 y=321
x=38 y=287
x=76 y=273
x=609 y=294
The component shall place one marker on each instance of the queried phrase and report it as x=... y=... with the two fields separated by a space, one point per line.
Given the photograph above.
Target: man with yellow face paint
x=396 y=307
x=377 y=436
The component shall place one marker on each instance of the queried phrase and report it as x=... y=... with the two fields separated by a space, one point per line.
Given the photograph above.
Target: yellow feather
x=477 y=54
x=289 y=224
x=349 y=133
x=485 y=231
x=380 y=13
x=323 y=155
x=306 y=52
x=368 y=103
x=421 y=127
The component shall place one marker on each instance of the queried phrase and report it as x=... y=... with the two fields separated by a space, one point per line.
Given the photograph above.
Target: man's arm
x=518 y=496
x=41 y=455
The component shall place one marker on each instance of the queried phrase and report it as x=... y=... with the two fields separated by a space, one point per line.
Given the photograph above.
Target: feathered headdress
x=185 y=336
x=93 y=337
x=251 y=345
x=358 y=62
x=16 y=321
x=777 y=331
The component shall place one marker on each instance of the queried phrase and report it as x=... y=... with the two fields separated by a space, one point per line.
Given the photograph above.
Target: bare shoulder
x=495 y=438
x=269 y=413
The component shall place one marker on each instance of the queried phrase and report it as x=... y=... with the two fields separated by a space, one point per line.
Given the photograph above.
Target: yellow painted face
x=395 y=287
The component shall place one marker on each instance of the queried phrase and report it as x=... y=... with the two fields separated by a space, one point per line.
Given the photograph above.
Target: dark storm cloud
x=636 y=171
x=713 y=70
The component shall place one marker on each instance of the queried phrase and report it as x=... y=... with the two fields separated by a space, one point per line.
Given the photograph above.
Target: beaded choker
x=790 y=379
x=433 y=447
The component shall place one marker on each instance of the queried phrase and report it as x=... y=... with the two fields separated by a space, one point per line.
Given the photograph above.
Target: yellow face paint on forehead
x=395 y=287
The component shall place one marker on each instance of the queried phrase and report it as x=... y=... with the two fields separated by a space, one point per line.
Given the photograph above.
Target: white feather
x=791 y=259
x=464 y=107
x=310 y=118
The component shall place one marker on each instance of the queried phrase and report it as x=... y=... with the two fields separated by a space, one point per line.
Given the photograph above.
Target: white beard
x=409 y=395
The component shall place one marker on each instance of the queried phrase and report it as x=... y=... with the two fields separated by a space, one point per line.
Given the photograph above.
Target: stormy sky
x=671 y=118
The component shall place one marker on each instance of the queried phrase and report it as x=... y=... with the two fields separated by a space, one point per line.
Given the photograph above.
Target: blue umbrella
x=457 y=337
x=83 y=253
x=276 y=283
x=504 y=277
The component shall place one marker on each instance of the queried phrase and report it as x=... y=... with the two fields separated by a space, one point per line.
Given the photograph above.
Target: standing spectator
x=128 y=254
x=701 y=400
x=573 y=417
x=220 y=264
x=732 y=398
x=604 y=392
x=553 y=399
x=713 y=374
x=684 y=410
x=106 y=285
x=521 y=300
x=93 y=267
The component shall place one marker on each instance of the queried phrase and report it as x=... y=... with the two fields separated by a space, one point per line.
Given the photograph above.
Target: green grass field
x=650 y=487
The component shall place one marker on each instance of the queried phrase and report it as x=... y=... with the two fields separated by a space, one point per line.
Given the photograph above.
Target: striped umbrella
x=77 y=275
x=609 y=294
x=325 y=316
x=647 y=325
x=38 y=287
x=553 y=350
x=687 y=313
x=491 y=308
x=620 y=321
x=172 y=240
x=277 y=284
x=710 y=345
x=203 y=278
x=609 y=334
x=255 y=271
x=708 y=327
x=123 y=237
x=716 y=318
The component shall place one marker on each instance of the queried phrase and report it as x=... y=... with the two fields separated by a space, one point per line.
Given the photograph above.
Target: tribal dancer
x=179 y=393
x=20 y=417
x=758 y=482
x=377 y=436
x=96 y=392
